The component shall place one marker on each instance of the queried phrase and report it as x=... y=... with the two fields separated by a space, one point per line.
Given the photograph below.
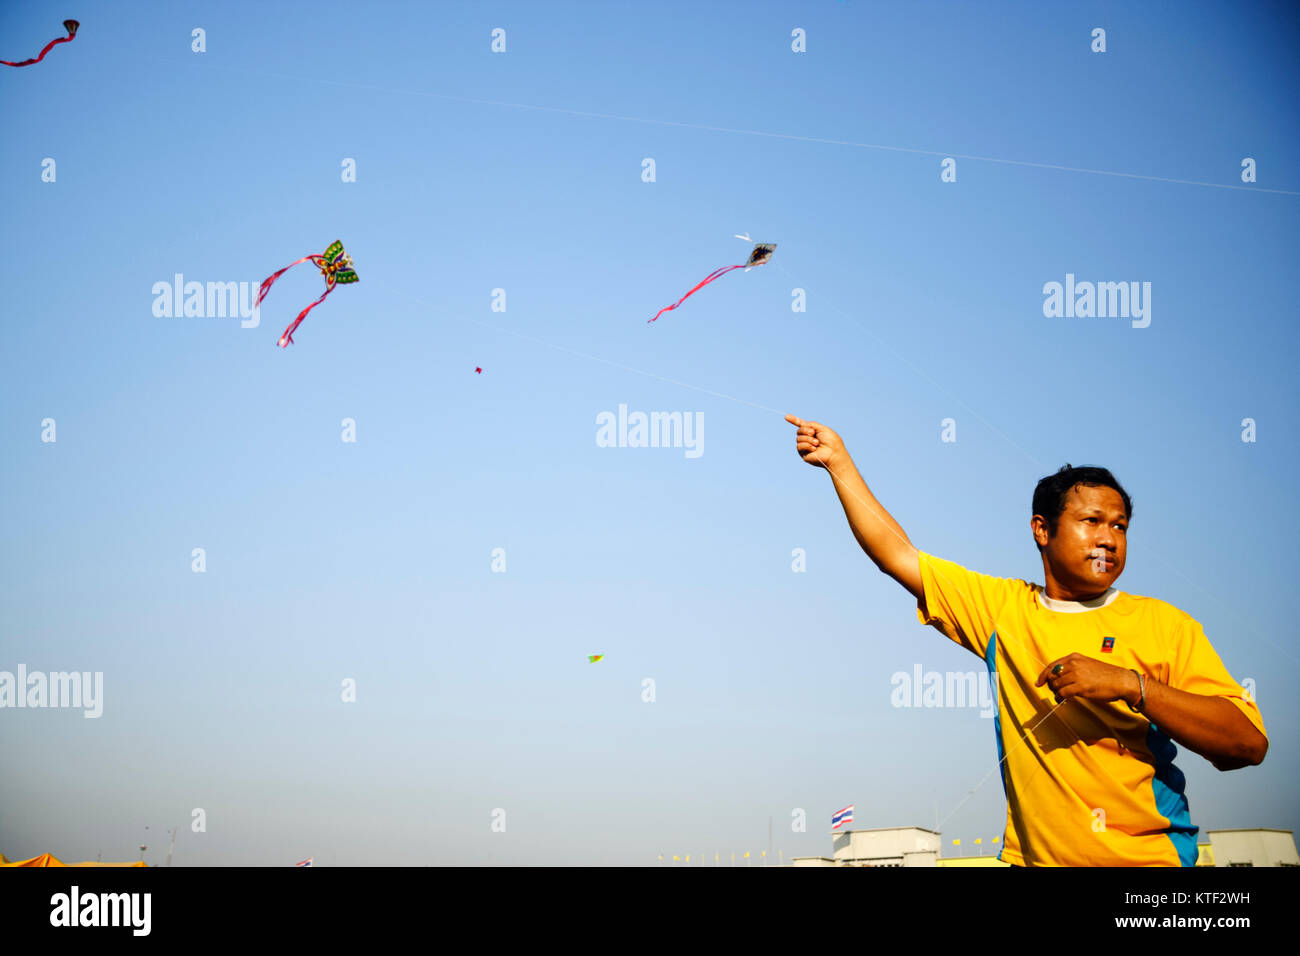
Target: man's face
x=1087 y=552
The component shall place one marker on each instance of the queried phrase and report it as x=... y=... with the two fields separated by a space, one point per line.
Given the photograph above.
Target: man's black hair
x=1049 y=496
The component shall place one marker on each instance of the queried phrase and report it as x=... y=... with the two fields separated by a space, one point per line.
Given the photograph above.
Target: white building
x=917 y=846
x=1258 y=847
x=889 y=846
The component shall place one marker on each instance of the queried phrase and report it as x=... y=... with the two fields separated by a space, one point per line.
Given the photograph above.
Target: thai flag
x=306 y=862
x=843 y=817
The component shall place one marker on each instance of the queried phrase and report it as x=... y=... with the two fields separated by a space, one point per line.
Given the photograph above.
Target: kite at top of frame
x=69 y=25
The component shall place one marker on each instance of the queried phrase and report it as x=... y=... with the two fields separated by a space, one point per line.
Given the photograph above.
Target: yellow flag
x=995 y=839
x=688 y=858
x=956 y=842
x=715 y=858
x=746 y=855
x=677 y=858
x=978 y=839
x=661 y=857
x=764 y=853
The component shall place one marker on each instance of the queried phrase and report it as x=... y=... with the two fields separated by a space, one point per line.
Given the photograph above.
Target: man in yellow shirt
x=1093 y=685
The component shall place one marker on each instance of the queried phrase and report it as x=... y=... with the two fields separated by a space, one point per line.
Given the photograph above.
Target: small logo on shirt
x=1107 y=645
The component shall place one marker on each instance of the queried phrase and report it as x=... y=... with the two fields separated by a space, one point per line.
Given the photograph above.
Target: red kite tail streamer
x=265 y=287
x=69 y=25
x=287 y=339
x=716 y=274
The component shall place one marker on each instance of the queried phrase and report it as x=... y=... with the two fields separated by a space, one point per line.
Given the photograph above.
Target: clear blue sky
x=475 y=171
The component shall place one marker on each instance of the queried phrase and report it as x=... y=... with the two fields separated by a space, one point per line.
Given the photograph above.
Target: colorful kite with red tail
x=335 y=265
x=762 y=252
x=69 y=25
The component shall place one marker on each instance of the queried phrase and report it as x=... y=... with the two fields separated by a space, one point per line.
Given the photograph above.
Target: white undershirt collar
x=1075 y=607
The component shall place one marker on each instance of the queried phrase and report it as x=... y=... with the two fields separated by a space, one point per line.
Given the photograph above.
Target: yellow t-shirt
x=1088 y=783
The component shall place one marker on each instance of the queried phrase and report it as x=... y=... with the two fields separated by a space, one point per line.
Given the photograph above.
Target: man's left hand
x=1090 y=679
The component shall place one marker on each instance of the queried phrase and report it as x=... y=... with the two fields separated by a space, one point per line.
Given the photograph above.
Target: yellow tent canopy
x=48 y=859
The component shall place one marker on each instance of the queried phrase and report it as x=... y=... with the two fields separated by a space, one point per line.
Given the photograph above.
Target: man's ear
x=1038 y=526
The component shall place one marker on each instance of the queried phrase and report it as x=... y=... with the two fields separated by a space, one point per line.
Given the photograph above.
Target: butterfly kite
x=335 y=265
x=69 y=25
x=592 y=659
x=762 y=252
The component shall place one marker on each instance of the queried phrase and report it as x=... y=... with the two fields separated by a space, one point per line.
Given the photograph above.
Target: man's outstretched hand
x=817 y=444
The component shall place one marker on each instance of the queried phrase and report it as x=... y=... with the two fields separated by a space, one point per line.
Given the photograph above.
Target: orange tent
x=47 y=859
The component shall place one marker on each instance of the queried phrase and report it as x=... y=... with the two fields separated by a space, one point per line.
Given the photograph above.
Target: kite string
x=749 y=132
x=1021 y=786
